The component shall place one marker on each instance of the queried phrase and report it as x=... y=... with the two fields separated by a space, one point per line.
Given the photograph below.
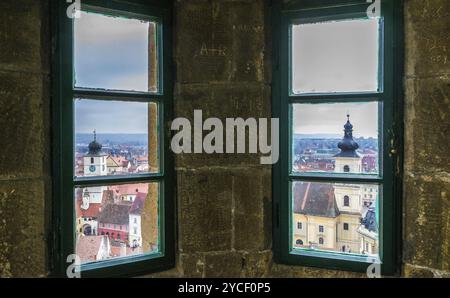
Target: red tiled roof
x=88 y=247
x=93 y=210
x=138 y=203
x=127 y=189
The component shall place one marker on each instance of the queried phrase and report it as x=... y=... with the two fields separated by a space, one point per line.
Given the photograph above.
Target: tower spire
x=348 y=146
x=95 y=147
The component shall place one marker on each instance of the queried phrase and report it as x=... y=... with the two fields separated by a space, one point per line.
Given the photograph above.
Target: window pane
x=338 y=56
x=328 y=224
x=115 y=53
x=115 y=138
x=116 y=221
x=335 y=138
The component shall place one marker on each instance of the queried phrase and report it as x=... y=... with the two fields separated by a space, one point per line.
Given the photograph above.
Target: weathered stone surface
x=248 y=210
x=193 y=265
x=24 y=112
x=221 y=101
x=205 y=222
x=256 y=264
x=427 y=219
x=220 y=41
x=20 y=35
x=416 y=272
x=427 y=33
x=277 y=270
x=22 y=229
x=224 y=264
x=427 y=126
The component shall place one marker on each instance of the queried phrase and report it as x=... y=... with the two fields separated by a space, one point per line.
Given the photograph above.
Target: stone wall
x=222 y=59
x=427 y=145
x=25 y=142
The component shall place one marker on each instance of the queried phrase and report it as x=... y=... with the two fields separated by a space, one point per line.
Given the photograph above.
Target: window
x=299 y=225
x=337 y=91
x=112 y=65
x=346 y=201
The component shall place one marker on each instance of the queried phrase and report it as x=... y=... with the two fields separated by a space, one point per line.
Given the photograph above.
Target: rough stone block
x=427 y=35
x=427 y=218
x=224 y=265
x=427 y=127
x=192 y=265
x=221 y=101
x=220 y=41
x=248 y=210
x=24 y=112
x=22 y=228
x=20 y=34
x=205 y=222
x=416 y=272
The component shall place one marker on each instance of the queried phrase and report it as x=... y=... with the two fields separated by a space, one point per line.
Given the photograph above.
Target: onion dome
x=348 y=146
x=95 y=147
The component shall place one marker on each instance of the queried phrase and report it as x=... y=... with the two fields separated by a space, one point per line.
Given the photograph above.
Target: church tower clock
x=94 y=165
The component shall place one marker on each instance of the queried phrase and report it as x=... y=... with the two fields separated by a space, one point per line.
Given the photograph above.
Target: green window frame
x=389 y=95
x=62 y=240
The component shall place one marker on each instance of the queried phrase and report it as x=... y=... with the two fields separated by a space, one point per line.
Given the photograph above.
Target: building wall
x=222 y=56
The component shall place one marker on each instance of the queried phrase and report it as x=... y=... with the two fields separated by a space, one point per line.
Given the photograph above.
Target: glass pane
x=338 y=56
x=335 y=138
x=116 y=221
x=336 y=217
x=115 y=138
x=115 y=53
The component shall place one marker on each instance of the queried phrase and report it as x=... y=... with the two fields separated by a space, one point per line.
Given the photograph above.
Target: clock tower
x=95 y=160
x=94 y=165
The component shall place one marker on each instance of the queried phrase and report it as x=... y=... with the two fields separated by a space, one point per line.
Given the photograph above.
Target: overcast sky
x=111 y=53
x=110 y=116
x=335 y=56
x=331 y=118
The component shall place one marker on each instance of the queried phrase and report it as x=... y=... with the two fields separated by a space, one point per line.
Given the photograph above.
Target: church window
x=346 y=201
x=338 y=99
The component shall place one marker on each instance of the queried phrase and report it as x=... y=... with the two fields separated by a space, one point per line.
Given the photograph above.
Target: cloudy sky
x=111 y=53
x=110 y=116
x=335 y=56
x=330 y=118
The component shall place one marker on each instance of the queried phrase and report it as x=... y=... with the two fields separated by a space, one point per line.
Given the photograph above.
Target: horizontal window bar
x=336 y=96
x=336 y=178
x=120 y=261
x=102 y=94
x=117 y=179
x=337 y=256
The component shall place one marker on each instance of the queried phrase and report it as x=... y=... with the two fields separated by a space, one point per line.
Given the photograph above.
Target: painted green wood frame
x=390 y=96
x=62 y=239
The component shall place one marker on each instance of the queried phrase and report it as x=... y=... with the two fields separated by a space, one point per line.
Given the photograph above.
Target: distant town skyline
x=330 y=118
